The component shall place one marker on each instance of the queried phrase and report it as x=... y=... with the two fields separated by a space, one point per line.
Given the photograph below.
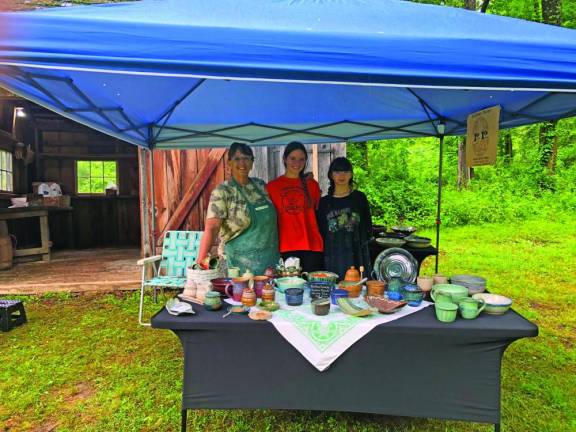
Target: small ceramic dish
x=384 y=305
x=390 y=241
x=496 y=304
x=406 y=230
x=269 y=306
x=415 y=241
x=260 y=315
x=239 y=310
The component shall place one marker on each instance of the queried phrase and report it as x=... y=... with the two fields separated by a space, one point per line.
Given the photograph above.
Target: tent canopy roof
x=190 y=73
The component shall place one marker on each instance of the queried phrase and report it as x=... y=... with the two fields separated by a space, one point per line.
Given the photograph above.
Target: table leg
x=71 y=240
x=184 y=418
x=45 y=238
x=496 y=427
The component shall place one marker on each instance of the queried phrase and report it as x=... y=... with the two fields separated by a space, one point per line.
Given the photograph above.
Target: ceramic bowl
x=415 y=241
x=390 y=241
x=353 y=288
x=321 y=276
x=220 y=285
x=495 y=304
x=454 y=292
x=269 y=306
x=384 y=305
x=413 y=294
x=336 y=294
x=404 y=230
x=284 y=283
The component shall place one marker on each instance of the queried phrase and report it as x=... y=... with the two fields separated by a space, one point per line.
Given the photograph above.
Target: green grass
x=82 y=363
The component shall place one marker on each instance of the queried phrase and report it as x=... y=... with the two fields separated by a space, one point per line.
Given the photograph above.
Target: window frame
x=9 y=172
x=91 y=160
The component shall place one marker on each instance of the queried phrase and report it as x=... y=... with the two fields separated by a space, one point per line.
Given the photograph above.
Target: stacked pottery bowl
x=475 y=284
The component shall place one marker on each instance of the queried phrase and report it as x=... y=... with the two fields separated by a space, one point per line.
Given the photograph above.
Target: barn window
x=92 y=177
x=6 y=171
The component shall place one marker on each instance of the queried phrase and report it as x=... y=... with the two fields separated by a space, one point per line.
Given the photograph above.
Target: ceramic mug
x=238 y=286
x=259 y=283
x=441 y=297
x=439 y=279
x=446 y=312
x=425 y=283
x=233 y=272
x=375 y=288
x=294 y=296
x=470 y=308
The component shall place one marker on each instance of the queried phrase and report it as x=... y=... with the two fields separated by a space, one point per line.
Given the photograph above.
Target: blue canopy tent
x=165 y=74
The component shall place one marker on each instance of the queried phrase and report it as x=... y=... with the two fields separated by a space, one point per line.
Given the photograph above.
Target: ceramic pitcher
x=238 y=286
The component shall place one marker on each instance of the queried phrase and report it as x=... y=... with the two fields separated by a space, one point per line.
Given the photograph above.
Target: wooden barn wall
x=176 y=170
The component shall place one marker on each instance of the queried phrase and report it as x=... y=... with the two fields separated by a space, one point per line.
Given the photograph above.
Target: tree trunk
x=508 y=154
x=470 y=4
x=464 y=172
x=551 y=14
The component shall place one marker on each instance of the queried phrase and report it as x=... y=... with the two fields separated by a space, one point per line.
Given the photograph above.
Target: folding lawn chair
x=179 y=250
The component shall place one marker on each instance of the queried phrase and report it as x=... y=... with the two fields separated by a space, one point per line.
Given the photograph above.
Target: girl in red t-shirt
x=296 y=199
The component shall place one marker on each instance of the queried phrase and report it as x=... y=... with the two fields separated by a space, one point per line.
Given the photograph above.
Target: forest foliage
x=400 y=177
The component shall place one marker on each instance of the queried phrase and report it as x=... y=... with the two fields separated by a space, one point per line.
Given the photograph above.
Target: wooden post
x=145 y=241
x=315 y=168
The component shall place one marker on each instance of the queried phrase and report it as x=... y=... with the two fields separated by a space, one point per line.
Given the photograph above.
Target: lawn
x=82 y=363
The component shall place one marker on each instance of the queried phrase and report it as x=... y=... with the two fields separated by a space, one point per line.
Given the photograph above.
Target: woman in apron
x=241 y=213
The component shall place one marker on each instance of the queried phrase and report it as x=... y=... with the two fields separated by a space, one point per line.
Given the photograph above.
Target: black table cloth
x=415 y=366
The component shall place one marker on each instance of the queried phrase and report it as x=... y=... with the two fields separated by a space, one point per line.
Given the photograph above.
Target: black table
x=415 y=366
x=420 y=254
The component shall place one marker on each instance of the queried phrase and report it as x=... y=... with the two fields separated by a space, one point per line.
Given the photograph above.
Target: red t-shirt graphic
x=297 y=227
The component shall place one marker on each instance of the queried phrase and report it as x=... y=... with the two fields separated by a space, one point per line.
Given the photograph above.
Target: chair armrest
x=149 y=260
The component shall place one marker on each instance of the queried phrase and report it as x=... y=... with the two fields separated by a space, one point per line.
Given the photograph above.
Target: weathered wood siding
x=176 y=170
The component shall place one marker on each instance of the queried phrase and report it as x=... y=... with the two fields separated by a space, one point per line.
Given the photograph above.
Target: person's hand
x=204 y=263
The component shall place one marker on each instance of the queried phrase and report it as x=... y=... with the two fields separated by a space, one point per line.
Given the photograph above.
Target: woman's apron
x=257 y=246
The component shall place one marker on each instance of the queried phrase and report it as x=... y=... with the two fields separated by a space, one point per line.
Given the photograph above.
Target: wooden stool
x=12 y=314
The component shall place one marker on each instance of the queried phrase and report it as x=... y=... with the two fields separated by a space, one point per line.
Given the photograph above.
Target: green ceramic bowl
x=269 y=306
x=284 y=283
x=495 y=304
x=454 y=292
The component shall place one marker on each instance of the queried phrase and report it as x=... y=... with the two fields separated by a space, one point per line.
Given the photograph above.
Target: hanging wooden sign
x=482 y=137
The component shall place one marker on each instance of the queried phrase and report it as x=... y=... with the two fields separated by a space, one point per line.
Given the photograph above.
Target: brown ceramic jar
x=248 y=297
x=268 y=293
x=352 y=275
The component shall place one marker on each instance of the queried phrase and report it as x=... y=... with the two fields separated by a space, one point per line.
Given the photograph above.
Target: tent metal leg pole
x=438 y=219
x=496 y=427
x=184 y=418
x=152 y=203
